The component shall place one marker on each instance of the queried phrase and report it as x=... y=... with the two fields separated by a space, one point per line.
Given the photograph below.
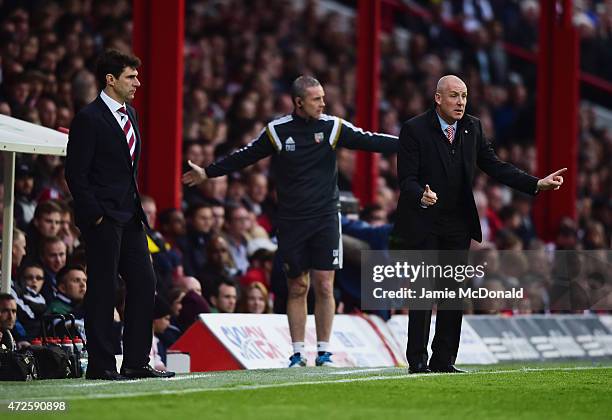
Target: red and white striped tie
x=128 y=130
x=450 y=133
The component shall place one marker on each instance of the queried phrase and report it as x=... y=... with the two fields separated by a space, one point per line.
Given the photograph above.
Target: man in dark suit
x=439 y=152
x=101 y=170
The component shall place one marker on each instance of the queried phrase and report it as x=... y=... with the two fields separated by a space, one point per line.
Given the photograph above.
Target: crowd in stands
x=217 y=252
x=517 y=22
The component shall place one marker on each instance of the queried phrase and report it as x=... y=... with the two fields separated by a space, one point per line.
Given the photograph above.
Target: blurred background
x=539 y=77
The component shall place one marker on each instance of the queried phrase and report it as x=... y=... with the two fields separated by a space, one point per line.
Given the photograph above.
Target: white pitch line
x=138 y=381
x=285 y=384
x=348 y=372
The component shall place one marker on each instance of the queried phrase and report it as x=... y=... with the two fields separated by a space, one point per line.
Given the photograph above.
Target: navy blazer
x=99 y=169
x=421 y=161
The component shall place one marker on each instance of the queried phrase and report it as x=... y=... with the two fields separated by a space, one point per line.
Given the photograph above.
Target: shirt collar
x=64 y=298
x=444 y=124
x=112 y=104
x=305 y=120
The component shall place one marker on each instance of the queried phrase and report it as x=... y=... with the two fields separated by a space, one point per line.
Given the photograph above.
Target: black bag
x=53 y=361
x=17 y=366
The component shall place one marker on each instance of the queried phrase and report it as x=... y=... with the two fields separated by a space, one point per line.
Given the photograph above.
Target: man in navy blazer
x=438 y=155
x=101 y=170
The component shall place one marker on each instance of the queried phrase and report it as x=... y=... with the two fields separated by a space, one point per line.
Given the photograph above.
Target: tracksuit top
x=304 y=160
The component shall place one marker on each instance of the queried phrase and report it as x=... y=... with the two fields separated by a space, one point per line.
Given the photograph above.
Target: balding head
x=188 y=284
x=451 y=98
x=448 y=82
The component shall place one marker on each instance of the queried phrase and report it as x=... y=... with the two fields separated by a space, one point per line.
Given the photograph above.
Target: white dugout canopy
x=18 y=136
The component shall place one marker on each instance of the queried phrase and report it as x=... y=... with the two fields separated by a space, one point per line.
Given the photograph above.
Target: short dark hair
x=113 y=62
x=299 y=86
x=61 y=275
x=29 y=264
x=227 y=281
x=63 y=206
x=192 y=210
x=47 y=207
x=232 y=207
x=6 y=296
x=165 y=215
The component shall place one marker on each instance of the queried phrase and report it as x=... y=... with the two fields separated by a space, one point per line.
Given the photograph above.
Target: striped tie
x=450 y=133
x=128 y=130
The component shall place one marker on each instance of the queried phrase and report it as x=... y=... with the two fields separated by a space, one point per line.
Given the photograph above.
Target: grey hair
x=299 y=86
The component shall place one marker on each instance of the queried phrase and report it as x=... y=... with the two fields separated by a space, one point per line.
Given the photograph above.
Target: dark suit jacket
x=420 y=162
x=99 y=170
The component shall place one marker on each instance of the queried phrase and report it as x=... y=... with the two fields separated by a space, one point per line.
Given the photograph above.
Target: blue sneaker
x=296 y=360
x=324 y=359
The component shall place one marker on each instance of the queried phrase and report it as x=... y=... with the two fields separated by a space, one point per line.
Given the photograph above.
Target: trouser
x=113 y=249
x=450 y=234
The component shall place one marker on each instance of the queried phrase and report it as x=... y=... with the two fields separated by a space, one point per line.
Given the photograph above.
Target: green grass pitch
x=513 y=391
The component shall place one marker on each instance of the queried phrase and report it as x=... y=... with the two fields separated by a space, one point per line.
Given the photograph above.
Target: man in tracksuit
x=303 y=146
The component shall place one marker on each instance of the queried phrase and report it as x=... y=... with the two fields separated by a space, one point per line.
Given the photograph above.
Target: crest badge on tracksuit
x=290 y=145
x=318 y=137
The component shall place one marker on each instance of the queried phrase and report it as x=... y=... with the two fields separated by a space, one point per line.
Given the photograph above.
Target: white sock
x=322 y=346
x=298 y=347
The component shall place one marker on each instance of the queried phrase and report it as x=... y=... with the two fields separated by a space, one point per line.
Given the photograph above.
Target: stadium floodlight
x=17 y=136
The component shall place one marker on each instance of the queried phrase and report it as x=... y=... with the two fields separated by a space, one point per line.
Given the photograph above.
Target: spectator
x=18 y=250
x=46 y=224
x=25 y=205
x=255 y=199
x=189 y=284
x=254 y=299
x=192 y=304
x=525 y=229
x=57 y=189
x=11 y=331
x=219 y=266
x=175 y=300
x=53 y=258
x=261 y=266
x=68 y=231
x=595 y=236
x=193 y=244
x=172 y=226
x=236 y=228
x=71 y=289
x=166 y=261
x=224 y=297
x=219 y=218
x=31 y=305
x=375 y=215
x=161 y=322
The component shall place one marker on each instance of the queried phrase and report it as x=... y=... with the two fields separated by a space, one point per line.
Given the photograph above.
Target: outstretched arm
x=196 y=175
x=258 y=149
x=345 y=134
x=501 y=171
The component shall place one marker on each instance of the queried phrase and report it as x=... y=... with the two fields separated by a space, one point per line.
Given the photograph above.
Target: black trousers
x=449 y=234
x=113 y=249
